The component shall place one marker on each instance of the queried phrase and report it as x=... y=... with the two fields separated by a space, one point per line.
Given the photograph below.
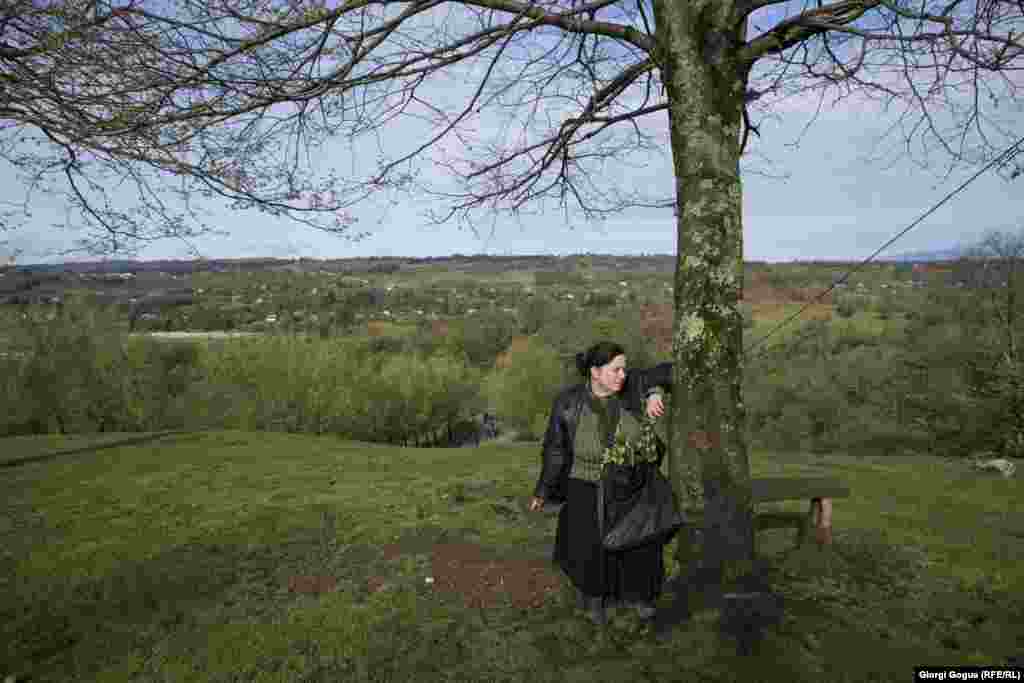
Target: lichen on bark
x=705 y=85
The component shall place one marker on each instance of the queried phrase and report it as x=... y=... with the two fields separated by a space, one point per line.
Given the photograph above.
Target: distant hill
x=479 y=263
x=923 y=256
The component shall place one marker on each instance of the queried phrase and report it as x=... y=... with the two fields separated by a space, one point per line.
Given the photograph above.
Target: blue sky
x=834 y=202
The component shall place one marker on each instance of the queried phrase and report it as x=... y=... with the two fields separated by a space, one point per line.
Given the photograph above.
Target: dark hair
x=597 y=355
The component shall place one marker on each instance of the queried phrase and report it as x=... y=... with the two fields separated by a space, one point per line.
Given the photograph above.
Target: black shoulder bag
x=651 y=513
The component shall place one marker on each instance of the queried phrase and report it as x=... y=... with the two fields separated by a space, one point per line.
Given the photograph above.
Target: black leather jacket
x=557 y=454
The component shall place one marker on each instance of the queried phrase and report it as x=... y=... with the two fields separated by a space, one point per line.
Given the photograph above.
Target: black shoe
x=595 y=610
x=645 y=609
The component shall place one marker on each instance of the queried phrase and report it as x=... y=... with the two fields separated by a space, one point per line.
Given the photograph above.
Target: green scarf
x=608 y=411
x=598 y=421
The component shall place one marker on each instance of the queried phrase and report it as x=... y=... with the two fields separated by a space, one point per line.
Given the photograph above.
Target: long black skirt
x=637 y=574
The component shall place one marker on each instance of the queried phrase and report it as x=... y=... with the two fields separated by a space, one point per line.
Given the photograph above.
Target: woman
x=583 y=422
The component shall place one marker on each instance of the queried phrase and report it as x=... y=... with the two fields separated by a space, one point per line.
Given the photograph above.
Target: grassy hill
x=229 y=556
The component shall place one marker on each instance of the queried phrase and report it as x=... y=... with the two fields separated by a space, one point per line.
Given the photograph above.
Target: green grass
x=167 y=561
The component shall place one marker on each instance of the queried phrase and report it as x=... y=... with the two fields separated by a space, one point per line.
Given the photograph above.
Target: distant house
x=923 y=273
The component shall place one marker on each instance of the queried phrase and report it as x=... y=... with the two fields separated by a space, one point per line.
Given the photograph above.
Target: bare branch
x=231 y=97
x=565 y=21
x=806 y=25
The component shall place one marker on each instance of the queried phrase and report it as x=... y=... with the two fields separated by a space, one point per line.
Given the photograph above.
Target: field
x=249 y=511
x=237 y=556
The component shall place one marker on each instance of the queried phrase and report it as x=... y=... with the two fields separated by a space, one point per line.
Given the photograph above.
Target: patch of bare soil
x=519 y=344
x=467 y=572
x=758 y=290
x=463 y=571
x=439 y=328
x=312 y=584
x=375 y=328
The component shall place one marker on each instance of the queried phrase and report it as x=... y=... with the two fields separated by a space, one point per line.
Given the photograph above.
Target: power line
x=1010 y=152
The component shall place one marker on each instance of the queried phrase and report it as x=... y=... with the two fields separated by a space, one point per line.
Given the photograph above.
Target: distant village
x=150 y=284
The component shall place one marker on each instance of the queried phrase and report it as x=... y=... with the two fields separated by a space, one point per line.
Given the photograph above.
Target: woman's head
x=604 y=364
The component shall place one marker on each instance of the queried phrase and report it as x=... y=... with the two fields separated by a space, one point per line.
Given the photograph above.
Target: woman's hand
x=655 y=406
x=536 y=504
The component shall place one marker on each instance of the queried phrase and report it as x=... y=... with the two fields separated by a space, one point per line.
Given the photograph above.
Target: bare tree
x=230 y=98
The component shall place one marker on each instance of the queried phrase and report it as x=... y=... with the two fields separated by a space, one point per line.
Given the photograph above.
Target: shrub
x=69 y=379
x=850 y=337
x=748 y=316
x=572 y=331
x=278 y=383
x=158 y=376
x=484 y=336
x=523 y=392
x=411 y=399
x=849 y=305
x=627 y=330
x=313 y=386
x=386 y=345
x=830 y=396
x=556 y=278
x=424 y=341
x=602 y=300
x=536 y=312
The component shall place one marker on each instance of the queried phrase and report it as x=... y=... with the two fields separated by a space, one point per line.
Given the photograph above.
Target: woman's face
x=610 y=378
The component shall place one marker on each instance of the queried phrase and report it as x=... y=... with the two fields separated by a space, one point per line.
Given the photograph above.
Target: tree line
x=932 y=370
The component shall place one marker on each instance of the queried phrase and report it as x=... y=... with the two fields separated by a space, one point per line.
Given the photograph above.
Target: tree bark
x=697 y=52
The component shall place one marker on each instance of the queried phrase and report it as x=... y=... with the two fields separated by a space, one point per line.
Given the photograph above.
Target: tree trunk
x=706 y=85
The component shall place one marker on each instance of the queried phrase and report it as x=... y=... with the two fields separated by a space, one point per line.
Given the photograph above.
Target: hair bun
x=581 y=363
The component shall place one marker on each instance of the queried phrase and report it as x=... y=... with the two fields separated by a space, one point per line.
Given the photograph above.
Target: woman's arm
x=642 y=383
x=658 y=377
x=554 y=455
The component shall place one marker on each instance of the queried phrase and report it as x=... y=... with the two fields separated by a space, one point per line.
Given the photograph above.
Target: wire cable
x=1010 y=152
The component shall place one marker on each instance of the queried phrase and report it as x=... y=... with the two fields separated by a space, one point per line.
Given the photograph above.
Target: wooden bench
x=780 y=489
